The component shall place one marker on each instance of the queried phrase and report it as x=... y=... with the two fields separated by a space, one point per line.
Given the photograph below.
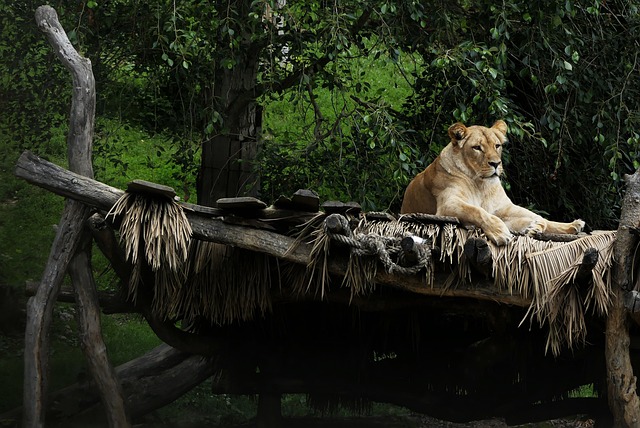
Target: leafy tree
x=211 y=66
x=565 y=77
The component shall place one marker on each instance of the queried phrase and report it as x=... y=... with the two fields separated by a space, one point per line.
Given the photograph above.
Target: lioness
x=464 y=182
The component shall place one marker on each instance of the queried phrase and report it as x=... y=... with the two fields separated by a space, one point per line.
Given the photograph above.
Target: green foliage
x=344 y=141
x=564 y=75
x=123 y=153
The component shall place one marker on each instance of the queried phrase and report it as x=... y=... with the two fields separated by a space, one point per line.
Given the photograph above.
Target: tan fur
x=464 y=182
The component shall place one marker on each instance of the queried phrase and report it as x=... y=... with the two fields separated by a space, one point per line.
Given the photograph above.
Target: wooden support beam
x=60 y=181
x=621 y=381
x=149 y=382
x=70 y=250
x=478 y=253
x=412 y=249
x=110 y=302
x=589 y=260
x=338 y=224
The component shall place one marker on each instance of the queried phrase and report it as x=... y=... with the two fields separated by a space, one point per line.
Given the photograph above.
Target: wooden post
x=621 y=382
x=64 y=253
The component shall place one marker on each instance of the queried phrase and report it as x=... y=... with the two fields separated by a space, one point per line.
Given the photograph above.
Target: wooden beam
x=621 y=381
x=70 y=251
x=149 y=382
x=60 y=181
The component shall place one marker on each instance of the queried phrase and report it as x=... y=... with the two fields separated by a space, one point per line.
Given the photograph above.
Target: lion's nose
x=495 y=164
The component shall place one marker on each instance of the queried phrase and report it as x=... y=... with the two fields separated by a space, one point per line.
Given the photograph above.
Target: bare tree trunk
x=227 y=159
x=623 y=400
x=63 y=253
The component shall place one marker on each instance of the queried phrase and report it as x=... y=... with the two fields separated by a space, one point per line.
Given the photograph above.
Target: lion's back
x=418 y=197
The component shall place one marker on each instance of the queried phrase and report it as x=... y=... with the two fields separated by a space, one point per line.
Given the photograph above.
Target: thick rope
x=384 y=248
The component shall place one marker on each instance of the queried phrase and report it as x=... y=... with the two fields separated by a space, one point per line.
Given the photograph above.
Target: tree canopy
x=292 y=91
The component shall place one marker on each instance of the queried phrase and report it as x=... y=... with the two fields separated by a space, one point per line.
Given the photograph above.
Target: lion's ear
x=457 y=131
x=501 y=126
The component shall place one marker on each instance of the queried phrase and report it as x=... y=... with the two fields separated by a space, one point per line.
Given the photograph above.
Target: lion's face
x=478 y=149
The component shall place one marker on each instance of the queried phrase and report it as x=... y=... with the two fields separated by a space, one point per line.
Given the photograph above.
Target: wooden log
x=306 y=200
x=412 y=247
x=143 y=186
x=478 y=253
x=428 y=218
x=337 y=207
x=621 y=382
x=91 y=341
x=110 y=302
x=65 y=254
x=58 y=180
x=149 y=382
x=589 y=260
x=631 y=301
x=107 y=242
x=244 y=203
x=338 y=224
x=40 y=312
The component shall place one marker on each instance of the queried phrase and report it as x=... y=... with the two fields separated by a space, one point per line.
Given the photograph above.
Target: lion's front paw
x=498 y=232
x=535 y=227
x=577 y=225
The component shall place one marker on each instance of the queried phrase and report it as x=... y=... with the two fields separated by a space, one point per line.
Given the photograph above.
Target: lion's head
x=478 y=149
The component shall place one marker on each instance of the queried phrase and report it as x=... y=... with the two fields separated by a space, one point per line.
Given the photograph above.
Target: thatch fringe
x=191 y=279
x=543 y=271
x=366 y=248
x=226 y=284
x=155 y=231
x=557 y=301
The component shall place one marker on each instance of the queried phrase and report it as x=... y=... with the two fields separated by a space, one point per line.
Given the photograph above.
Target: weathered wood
x=40 y=312
x=99 y=195
x=631 y=301
x=306 y=200
x=331 y=207
x=64 y=253
x=555 y=237
x=107 y=242
x=143 y=186
x=338 y=224
x=589 y=260
x=110 y=302
x=380 y=216
x=167 y=331
x=240 y=203
x=478 y=253
x=60 y=181
x=149 y=382
x=428 y=218
x=91 y=340
x=621 y=382
x=412 y=247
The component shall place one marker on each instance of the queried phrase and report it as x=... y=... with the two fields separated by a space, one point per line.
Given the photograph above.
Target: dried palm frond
x=226 y=284
x=156 y=228
x=556 y=299
x=318 y=268
x=360 y=275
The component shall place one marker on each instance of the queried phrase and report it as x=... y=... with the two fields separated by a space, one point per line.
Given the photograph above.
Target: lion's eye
x=498 y=146
x=478 y=148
